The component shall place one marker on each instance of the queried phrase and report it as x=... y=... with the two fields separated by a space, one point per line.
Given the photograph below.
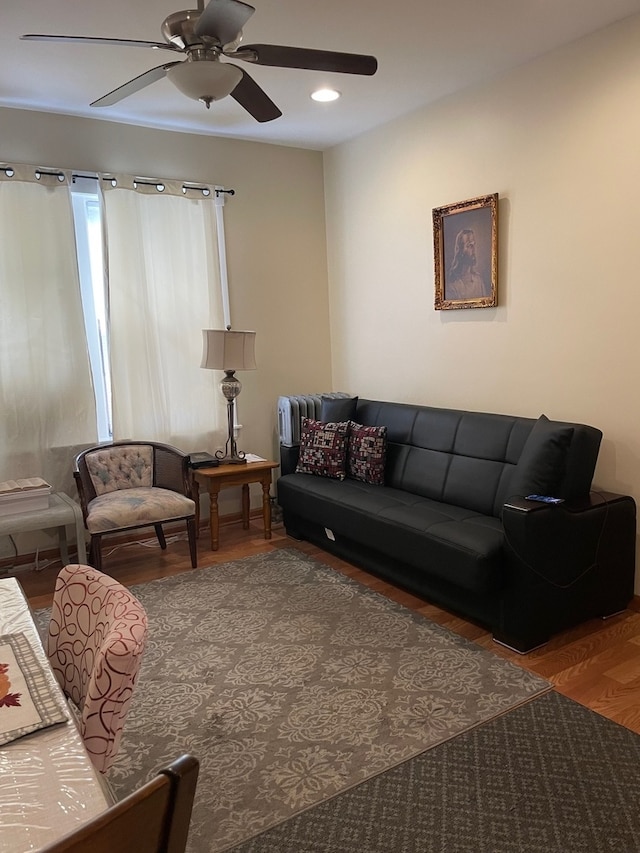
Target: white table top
x=48 y=785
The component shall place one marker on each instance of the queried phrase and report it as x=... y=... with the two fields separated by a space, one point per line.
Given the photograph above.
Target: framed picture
x=465 y=238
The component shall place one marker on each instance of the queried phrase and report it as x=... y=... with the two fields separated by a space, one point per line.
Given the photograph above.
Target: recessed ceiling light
x=325 y=95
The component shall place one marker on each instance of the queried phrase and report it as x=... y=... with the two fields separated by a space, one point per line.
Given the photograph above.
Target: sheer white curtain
x=163 y=289
x=46 y=398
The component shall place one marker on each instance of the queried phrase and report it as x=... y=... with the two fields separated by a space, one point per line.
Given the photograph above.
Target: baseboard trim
x=7 y=563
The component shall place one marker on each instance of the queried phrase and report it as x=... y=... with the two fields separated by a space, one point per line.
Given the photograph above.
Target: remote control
x=545 y=499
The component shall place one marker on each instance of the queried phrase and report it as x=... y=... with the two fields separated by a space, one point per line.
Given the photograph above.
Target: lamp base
x=231 y=455
x=231 y=460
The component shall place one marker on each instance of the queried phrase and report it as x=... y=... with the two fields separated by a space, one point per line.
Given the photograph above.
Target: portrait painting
x=465 y=237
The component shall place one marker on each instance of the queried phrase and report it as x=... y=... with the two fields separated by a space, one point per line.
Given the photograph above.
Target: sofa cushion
x=455 y=544
x=337 y=409
x=541 y=467
x=323 y=449
x=366 y=453
x=136 y=507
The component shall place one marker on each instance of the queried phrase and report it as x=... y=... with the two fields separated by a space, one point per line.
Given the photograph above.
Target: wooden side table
x=237 y=475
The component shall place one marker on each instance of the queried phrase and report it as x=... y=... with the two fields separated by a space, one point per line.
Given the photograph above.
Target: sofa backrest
x=470 y=459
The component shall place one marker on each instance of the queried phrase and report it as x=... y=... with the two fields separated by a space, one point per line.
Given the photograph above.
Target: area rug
x=292 y=683
x=549 y=777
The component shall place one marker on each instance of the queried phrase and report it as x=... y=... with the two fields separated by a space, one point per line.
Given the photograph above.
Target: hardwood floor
x=596 y=664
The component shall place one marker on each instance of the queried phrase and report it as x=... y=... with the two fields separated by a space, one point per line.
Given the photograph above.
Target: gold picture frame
x=465 y=242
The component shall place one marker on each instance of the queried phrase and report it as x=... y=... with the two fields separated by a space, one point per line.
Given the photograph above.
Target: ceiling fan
x=205 y=35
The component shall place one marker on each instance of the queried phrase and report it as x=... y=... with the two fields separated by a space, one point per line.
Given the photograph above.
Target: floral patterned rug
x=292 y=683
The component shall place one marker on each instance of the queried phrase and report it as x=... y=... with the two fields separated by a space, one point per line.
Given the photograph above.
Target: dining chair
x=97 y=634
x=127 y=485
x=153 y=819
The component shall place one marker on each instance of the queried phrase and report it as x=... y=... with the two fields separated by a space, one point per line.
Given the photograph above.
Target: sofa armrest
x=560 y=542
x=565 y=563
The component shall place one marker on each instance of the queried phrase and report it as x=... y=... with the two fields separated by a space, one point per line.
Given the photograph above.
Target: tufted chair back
x=96 y=638
x=127 y=466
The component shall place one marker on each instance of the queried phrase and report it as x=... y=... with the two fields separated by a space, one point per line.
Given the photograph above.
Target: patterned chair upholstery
x=97 y=634
x=126 y=485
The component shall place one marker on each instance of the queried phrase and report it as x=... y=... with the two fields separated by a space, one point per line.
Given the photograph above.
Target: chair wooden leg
x=95 y=552
x=192 y=534
x=160 y=535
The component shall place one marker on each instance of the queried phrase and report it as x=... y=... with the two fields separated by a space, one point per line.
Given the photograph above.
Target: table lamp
x=225 y=350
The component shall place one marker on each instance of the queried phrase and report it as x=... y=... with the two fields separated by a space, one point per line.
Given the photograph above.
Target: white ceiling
x=426 y=49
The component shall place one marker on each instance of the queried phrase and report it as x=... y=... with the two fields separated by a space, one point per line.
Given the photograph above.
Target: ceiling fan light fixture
x=325 y=95
x=205 y=80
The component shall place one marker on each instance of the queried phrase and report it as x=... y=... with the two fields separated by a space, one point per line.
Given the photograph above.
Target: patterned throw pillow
x=323 y=449
x=366 y=453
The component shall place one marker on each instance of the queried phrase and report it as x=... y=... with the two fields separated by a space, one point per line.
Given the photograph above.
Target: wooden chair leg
x=160 y=535
x=192 y=534
x=95 y=552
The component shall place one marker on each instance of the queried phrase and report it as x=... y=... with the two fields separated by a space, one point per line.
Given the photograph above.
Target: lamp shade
x=205 y=80
x=223 y=349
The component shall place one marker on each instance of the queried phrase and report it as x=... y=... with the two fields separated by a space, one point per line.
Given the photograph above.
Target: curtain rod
x=159 y=185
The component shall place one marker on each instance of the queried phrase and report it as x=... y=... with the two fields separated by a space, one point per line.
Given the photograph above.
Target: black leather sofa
x=452 y=524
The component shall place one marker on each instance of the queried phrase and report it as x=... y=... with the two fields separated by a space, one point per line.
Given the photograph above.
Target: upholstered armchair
x=97 y=633
x=126 y=485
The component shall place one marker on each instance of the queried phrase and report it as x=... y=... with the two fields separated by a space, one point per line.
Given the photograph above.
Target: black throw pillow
x=540 y=469
x=338 y=409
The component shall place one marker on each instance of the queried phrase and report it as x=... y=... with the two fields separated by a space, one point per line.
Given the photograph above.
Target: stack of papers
x=26 y=495
x=25 y=485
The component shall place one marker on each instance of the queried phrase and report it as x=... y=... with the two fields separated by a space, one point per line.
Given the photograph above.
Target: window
x=148 y=253
x=87 y=214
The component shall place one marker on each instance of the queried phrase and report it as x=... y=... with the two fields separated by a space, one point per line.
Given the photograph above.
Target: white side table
x=60 y=512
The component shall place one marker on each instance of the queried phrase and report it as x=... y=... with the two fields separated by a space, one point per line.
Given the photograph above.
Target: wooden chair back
x=154 y=819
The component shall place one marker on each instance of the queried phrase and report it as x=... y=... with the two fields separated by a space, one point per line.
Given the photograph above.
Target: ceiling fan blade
x=158 y=45
x=254 y=99
x=134 y=85
x=223 y=19
x=302 y=57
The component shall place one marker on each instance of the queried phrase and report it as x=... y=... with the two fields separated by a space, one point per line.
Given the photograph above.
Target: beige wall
x=275 y=230
x=559 y=140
